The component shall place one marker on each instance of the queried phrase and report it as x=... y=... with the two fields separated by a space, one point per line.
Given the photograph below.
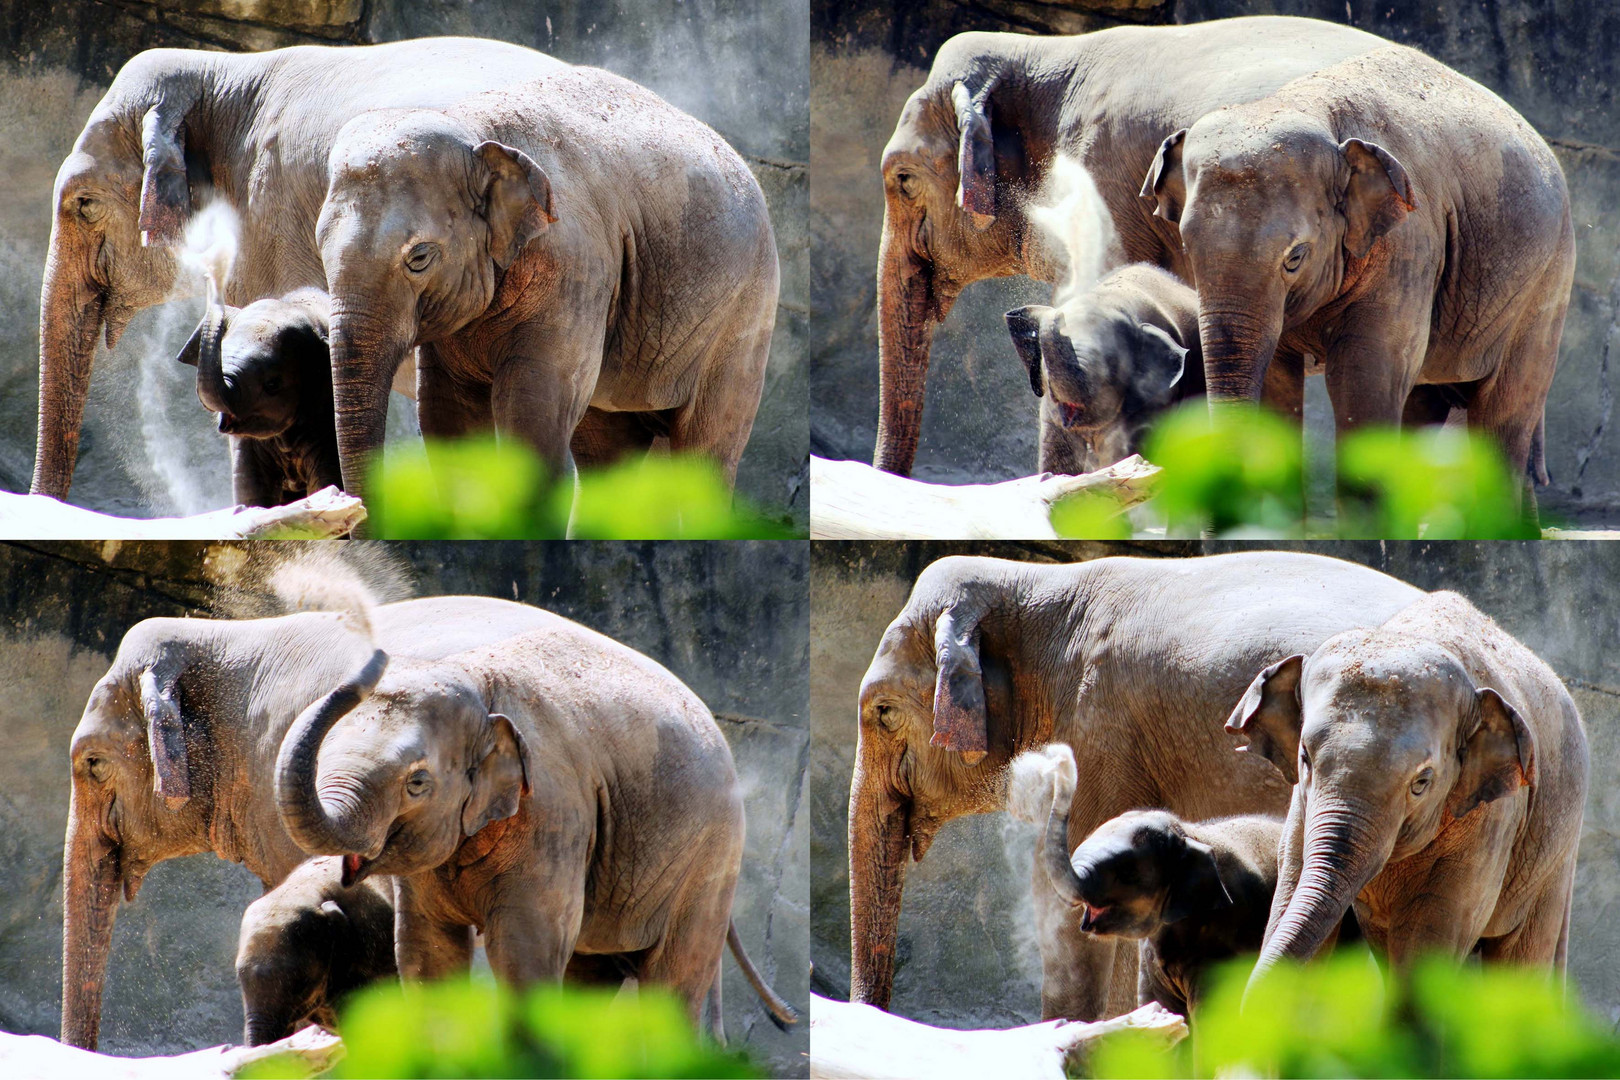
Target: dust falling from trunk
x=1075 y=227
x=278 y=579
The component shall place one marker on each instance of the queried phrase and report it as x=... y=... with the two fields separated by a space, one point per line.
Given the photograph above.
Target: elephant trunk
x=1054 y=852
x=909 y=305
x=366 y=351
x=316 y=828
x=91 y=879
x=258 y=1029
x=1238 y=339
x=879 y=828
x=210 y=364
x=1343 y=851
x=71 y=311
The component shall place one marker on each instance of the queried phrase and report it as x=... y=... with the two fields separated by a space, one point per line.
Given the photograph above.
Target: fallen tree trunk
x=859 y=1042
x=850 y=500
x=41 y=1056
x=325 y=514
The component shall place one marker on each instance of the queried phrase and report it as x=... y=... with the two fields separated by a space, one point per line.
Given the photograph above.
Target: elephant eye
x=1421 y=782
x=1296 y=258
x=907 y=184
x=99 y=768
x=421 y=257
x=888 y=716
x=272 y=385
x=418 y=783
x=91 y=208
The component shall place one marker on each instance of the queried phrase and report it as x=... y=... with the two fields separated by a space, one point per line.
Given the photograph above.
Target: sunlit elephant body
x=975 y=143
x=1134 y=663
x=1440 y=774
x=175 y=753
x=179 y=126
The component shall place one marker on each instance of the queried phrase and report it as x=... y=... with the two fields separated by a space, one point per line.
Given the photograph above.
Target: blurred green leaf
x=1090 y=517
x=1236 y=467
x=1436 y=483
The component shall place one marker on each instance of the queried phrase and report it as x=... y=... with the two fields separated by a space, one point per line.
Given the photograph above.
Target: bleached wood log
x=38 y=1056
x=327 y=513
x=859 y=1042
x=850 y=500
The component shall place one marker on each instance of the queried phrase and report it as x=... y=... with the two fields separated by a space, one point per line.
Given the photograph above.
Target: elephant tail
x=782 y=1014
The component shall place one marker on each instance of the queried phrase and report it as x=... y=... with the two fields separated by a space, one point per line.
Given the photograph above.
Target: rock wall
x=728 y=618
x=966 y=954
x=1554 y=62
x=739 y=65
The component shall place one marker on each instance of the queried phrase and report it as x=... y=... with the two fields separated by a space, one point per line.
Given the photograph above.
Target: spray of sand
x=1071 y=216
x=260 y=580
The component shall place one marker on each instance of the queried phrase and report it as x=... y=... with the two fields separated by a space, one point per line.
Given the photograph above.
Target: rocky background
x=741 y=66
x=730 y=619
x=967 y=956
x=1553 y=60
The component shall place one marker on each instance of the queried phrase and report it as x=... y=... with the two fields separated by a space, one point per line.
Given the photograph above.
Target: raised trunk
x=1238 y=339
x=1343 y=851
x=908 y=308
x=70 y=317
x=365 y=355
x=210 y=365
x=90 y=884
x=878 y=836
x=1055 y=850
x=316 y=828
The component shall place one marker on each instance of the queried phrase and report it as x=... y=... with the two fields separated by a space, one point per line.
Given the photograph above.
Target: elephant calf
x=266 y=370
x=308 y=942
x=1108 y=363
x=1194 y=894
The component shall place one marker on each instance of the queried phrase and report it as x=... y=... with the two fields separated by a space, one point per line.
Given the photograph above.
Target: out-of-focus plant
x=1340 y=1018
x=483 y=489
x=479 y=1028
x=1236 y=469
x=1437 y=483
x=1092 y=516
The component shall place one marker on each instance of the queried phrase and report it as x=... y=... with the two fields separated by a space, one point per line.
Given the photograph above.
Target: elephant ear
x=499 y=779
x=166 y=737
x=165 y=193
x=1376 y=197
x=1198 y=886
x=517 y=200
x=961 y=721
x=976 y=156
x=1166 y=184
x=1167 y=362
x=1498 y=755
x=1024 y=324
x=1270 y=716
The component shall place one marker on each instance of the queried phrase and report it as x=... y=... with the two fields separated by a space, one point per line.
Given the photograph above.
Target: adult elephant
x=180 y=126
x=560 y=792
x=1393 y=219
x=175 y=753
x=975 y=142
x=570 y=253
x=1134 y=663
x=1439 y=771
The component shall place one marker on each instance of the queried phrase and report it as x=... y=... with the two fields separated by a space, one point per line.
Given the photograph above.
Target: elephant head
x=120 y=201
x=942 y=712
x=421 y=765
x=1389 y=742
x=421 y=221
x=259 y=366
x=1276 y=215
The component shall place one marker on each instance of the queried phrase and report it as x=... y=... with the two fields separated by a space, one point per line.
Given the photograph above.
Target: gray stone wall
x=1554 y=61
x=741 y=66
x=966 y=955
x=730 y=619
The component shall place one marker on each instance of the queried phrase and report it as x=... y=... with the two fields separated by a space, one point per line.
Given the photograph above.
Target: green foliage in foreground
x=1340 y=1018
x=483 y=489
x=479 y=1028
x=1242 y=471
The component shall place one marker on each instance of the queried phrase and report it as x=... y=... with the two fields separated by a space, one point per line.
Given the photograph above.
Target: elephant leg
x=254 y=480
x=1060 y=452
x=1283 y=391
x=427 y=945
x=1508 y=406
x=719 y=416
x=447 y=407
x=687 y=958
x=541 y=392
x=716 y=1018
x=1542 y=939
x=533 y=923
x=1430 y=405
x=603 y=438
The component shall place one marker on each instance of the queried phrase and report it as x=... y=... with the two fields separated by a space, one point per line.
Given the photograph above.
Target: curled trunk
x=878 y=836
x=210 y=364
x=365 y=354
x=70 y=316
x=1238 y=343
x=90 y=884
x=316 y=828
x=908 y=309
x=1055 y=849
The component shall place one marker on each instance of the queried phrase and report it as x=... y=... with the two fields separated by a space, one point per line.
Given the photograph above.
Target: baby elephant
x=267 y=371
x=1194 y=894
x=1107 y=363
x=308 y=942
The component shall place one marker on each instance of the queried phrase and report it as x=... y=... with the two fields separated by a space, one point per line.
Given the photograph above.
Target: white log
x=327 y=513
x=37 y=1057
x=859 y=1042
x=850 y=500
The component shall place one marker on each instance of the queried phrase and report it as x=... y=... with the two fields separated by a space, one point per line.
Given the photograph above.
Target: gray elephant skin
x=559 y=792
x=1133 y=663
x=176 y=750
x=1193 y=894
x=266 y=370
x=1394 y=220
x=1108 y=363
x=569 y=253
x=308 y=943
x=1439 y=772
x=180 y=126
x=974 y=143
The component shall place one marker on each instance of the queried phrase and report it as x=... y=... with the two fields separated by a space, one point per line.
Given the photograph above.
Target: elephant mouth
x=355 y=868
x=1074 y=417
x=1089 y=915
